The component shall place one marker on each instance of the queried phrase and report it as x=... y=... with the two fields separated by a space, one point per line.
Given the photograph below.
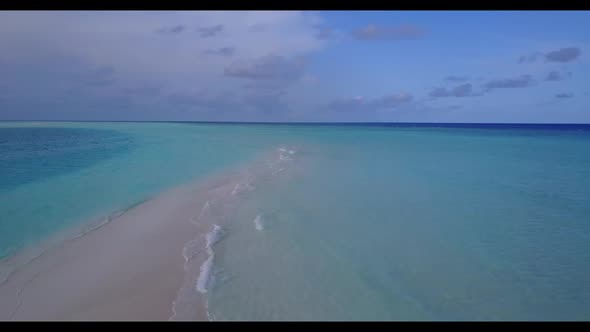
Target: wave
x=287 y=150
x=236 y=189
x=285 y=154
x=279 y=165
x=191 y=249
x=204 y=281
x=213 y=237
x=202 y=274
x=277 y=171
x=204 y=210
x=205 y=276
x=258 y=223
x=239 y=187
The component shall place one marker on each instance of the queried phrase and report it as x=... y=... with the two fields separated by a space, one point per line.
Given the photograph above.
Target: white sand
x=128 y=269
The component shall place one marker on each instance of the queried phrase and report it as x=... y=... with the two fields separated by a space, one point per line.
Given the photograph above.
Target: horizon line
x=307 y=122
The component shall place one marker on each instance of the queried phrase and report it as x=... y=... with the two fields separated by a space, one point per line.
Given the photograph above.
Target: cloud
x=325 y=33
x=103 y=71
x=564 y=95
x=269 y=67
x=223 y=51
x=100 y=83
x=530 y=58
x=522 y=81
x=553 y=76
x=261 y=85
x=147 y=91
x=363 y=104
x=57 y=77
x=557 y=76
x=563 y=55
x=400 y=32
x=349 y=104
x=172 y=30
x=102 y=76
x=566 y=54
x=440 y=93
x=453 y=78
x=463 y=90
x=267 y=102
x=204 y=99
x=54 y=56
x=392 y=101
x=207 y=32
x=125 y=40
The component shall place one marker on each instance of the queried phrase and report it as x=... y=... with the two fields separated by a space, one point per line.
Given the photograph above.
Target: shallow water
x=358 y=222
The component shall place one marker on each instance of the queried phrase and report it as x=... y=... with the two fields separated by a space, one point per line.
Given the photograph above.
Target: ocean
x=348 y=222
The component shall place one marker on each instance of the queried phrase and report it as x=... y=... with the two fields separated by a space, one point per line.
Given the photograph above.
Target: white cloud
x=129 y=42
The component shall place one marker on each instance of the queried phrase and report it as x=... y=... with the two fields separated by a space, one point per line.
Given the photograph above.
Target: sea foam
x=239 y=187
x=204 y=280
x=205 y=276
x=258 y=223
x=213 y=237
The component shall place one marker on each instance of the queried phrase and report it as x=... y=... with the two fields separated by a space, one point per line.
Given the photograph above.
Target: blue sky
x=425 y=66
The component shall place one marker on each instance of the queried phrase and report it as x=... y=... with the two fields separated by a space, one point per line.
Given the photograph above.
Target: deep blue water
x=34 y=153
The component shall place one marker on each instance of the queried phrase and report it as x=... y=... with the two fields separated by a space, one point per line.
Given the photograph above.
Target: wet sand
x=129 y=269
x=134 y=267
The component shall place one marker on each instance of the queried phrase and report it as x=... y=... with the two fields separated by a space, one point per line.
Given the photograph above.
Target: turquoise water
x=414 y=224
x=368 y=222
x=54 y=175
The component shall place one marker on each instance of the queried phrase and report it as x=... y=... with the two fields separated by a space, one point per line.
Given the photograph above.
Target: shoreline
x=128 y=268
x=143 y=263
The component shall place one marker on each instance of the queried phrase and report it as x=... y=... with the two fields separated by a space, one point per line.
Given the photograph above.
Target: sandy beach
x=129 y=269
x=143 y=264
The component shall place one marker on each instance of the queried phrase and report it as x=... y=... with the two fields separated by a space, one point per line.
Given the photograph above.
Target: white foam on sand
x=204 y=211
x=285 y=154
x=216 y=234
x=284 y=157
x=243 y=187
x=236 y=189
x=258 y=223
x=190 y=250
x=204 y=281
x=202 y=275
x=205 y=276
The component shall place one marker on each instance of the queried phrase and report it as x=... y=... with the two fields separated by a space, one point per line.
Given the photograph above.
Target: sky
x=289 y=66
